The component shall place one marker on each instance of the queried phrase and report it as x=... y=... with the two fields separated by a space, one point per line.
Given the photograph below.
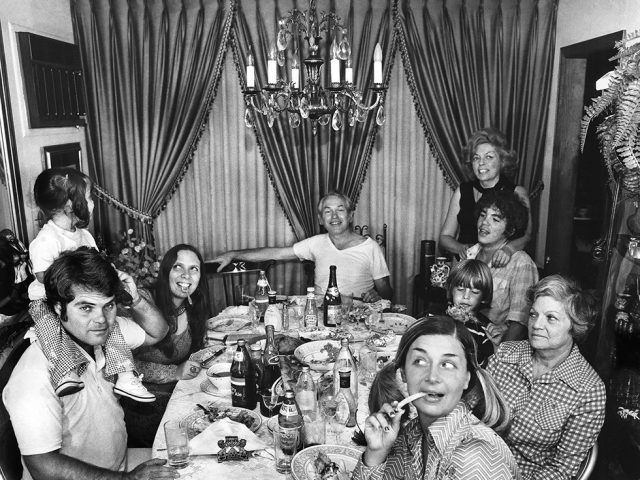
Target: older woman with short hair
x=557 y=400
x=493 y=164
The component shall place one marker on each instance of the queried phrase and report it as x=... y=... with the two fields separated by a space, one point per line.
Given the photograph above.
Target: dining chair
x=588 y=464
x=381 y=238
x=236 y=273
x=12 y=346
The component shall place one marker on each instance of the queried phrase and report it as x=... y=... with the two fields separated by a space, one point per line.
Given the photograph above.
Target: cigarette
x=189 y=299
x=410 y=399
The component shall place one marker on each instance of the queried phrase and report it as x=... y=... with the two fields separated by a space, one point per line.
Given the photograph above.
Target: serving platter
x=302 y=465
x=398 y=322
x=316 y=354
x=198 y=421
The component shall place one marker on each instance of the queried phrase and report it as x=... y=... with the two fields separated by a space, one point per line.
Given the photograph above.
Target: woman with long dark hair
x=181 y=294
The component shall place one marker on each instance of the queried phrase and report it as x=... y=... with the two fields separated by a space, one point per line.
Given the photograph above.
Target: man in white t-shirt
x=82 y=435
x=361 y=267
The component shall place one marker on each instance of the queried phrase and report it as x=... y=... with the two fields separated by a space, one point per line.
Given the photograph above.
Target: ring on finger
x=194 y=369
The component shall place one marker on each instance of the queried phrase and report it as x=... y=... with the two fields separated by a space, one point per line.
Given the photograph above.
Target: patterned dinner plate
x=198 y=421
x=318 y=354
x=302 y=465
x=398 y=322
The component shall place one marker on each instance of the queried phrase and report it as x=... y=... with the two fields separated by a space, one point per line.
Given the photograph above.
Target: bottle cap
x=255 y=347
x=311 y=290
x=242 y=342
x=305 y=368
x=344 y=372
x=272 y=292
x=344 y=341
x=289 y=394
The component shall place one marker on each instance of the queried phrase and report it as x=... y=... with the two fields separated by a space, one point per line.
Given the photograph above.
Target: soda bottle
x=270 y=369
x=273 y=315
x=243 y=378
x=255 y=352
x=345 y=360
x=290 y=420
x=332 y=301
x=346 y=402
x=262 y=293
x=311 y=309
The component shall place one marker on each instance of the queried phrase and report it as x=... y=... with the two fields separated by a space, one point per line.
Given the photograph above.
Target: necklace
x=179 y=311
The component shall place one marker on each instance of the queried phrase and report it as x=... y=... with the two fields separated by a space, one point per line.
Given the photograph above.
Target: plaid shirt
x=459 y=447
x=556 y=418
x=510 y=284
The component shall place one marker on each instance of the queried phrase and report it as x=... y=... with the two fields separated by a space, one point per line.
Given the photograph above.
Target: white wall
x=50 y=18
x=579 y=20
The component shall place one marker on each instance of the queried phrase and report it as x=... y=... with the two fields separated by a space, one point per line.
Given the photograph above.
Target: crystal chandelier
x=305 y=98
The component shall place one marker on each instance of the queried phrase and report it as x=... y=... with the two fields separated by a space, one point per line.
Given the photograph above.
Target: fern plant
x=619 y=110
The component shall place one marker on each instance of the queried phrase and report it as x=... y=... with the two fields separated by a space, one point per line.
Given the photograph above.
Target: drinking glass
x=241 y=294
x=371 y=320
x=347 y=303
x=286 y=441
x=177 y=441
x=328 y=409
x=271 y=400
x=254 y=315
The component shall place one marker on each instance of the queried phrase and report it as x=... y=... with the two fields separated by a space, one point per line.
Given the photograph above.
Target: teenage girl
x=64 y=199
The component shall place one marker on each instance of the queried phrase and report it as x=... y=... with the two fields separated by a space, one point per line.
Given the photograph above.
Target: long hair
x=55 y=186
x=579 y=306
x=197 y=313
x=482 y=394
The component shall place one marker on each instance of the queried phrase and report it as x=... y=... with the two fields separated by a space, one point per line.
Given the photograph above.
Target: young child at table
x=470 y=288
x=64 y=199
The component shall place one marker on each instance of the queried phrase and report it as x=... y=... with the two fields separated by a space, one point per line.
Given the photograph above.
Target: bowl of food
x=219 y=374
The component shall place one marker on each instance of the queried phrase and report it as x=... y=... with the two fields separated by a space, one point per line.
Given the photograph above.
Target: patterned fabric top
x=459 y=447
x=557 y=417
x=509 y=304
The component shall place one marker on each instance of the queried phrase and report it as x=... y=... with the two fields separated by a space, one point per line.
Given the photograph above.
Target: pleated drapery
x=226 y=202
x=477 y=63
x=303 y=166
x=150 y=70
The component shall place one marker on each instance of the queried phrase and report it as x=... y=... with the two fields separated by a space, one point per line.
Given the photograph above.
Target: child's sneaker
x=129 y=385
x=69 y=384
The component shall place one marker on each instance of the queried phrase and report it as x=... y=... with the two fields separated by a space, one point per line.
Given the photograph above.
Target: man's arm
x=145 y=313
x=255 y=255
x=55 y=465
x=381 y=289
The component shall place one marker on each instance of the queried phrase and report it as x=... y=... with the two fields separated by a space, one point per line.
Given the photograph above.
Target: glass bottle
x=345 y=360
x=270 y=368
x=306 y=392
x=273 y=314
x=311 y=309
x=290 y=417
x=262 y=293
x=332 y=301
x=243 y=378
x=345 y=400
x=255 y=352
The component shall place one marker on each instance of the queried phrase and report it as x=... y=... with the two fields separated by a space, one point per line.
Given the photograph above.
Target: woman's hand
x=188 y=370
x=462 y=251
x=501 y=257
x=129 y=285
x=381 y=430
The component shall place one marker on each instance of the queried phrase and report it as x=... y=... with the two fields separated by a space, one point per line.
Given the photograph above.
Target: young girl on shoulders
x=64 y=199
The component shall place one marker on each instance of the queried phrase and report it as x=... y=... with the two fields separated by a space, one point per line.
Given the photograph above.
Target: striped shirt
x=556 y=418
x=459 y=447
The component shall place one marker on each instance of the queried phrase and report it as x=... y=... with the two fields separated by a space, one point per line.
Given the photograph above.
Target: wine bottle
x=270 y=369
x=243 y=379
x=332 y=301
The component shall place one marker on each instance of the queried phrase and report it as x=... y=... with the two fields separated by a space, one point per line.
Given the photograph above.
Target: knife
x=204 y=363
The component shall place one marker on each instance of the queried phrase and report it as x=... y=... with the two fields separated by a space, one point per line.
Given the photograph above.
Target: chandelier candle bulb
x=272 y=68
x=335 y=63
x=377 y=65
x=251 y=73
x=295 y=74
x=348 y=72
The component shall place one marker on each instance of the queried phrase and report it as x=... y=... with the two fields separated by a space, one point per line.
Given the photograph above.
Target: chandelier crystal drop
x=301 y=95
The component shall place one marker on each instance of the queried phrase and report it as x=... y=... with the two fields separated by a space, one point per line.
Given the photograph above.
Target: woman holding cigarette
x=181 y=295
x=437 y=358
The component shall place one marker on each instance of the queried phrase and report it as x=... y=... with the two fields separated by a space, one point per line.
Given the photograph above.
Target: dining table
x=261 y=464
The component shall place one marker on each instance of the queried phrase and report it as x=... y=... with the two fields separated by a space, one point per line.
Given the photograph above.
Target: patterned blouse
x=459 y=447
x=556 y=418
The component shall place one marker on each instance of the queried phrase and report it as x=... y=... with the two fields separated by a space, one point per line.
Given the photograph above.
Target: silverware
x=205 y=363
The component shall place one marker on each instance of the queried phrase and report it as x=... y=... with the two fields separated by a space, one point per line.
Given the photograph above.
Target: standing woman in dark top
x=493 y=164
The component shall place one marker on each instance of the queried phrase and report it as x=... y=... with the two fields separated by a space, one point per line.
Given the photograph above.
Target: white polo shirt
x=88 y=425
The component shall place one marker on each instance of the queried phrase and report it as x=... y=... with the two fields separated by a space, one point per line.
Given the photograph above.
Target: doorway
x=580 y=199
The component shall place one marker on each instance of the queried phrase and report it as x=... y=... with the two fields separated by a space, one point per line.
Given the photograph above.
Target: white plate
x=229 y=324
x=198 y=421
x=207 y=387
x=200 y=354
x=398 y=322
x=302 y=466
x=314 y=354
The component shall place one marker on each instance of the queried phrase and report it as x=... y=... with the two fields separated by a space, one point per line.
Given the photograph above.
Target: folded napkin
x=206 y=442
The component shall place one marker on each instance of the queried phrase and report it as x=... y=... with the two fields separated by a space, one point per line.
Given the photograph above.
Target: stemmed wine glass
x=371 y=319
x=271 y=400
x=329 y=410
